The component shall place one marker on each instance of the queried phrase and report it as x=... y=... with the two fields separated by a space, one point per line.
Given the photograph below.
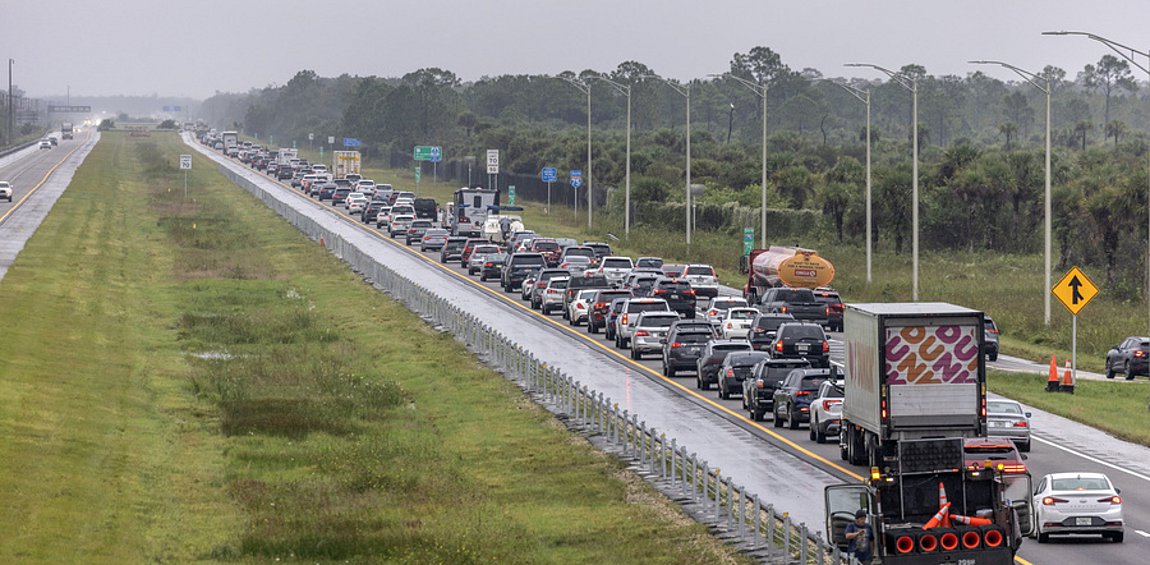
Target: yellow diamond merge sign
x=1075 y=290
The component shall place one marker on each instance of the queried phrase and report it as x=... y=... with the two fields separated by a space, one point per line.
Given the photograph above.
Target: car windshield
x=1003 y=408
x=694 y=337
x=770 y=322
x=581 y=251
x=616 y=263
x=650 y=262
x=795 y=295
x=658 y=321
x=609 y=296
x=776 y=373
x=731 y=346
x=1080 y=483
x=743 y=314
x=983 y=450
x=633 y=307
x=559 y=284
x=834 y=392
x=701 y=270
x=803 y=332
x=812 y=383
x=674 y=285
x=546 y=245
x=528 y=261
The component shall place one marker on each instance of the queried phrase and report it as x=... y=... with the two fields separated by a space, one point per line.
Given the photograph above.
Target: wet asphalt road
x=779 y=464
x=38 y=177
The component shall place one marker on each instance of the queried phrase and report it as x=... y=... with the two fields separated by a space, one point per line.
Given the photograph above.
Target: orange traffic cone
x=1052 y=382
x=1067 y=380
x=971 y=521
x=943 y=503
x=938 y=518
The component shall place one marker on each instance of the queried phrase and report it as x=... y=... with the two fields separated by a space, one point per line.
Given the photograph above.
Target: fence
x=711 y=498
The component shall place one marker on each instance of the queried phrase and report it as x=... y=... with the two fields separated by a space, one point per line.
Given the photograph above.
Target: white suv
x=702 y=279
x=6 y=190
x=615 y=268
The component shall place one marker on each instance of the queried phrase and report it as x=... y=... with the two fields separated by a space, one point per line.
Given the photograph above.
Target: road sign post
x=493 y=167
x=1074 y=291
x=510 y=195
x=576 y=180
x=549 y=175
x=185 y=165
x=418 y=175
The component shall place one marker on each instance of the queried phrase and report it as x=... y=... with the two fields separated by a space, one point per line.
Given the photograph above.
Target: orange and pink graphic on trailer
x=917 y=355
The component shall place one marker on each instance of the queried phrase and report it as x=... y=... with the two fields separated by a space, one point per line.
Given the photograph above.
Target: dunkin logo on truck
x=917 y=355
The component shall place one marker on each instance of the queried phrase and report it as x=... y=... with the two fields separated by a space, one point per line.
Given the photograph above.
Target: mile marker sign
x=1075 y=290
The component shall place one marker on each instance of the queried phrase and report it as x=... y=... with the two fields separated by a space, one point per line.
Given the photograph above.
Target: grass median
x=193 y=380
x=1117 y=408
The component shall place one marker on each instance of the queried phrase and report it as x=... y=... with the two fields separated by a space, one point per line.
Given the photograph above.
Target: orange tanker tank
x=786 y=266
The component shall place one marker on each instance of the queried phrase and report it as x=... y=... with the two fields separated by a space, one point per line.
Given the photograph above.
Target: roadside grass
x=1119 y=408
x=329 y=423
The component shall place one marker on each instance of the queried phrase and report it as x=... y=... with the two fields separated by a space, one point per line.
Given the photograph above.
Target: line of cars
x=776 y=362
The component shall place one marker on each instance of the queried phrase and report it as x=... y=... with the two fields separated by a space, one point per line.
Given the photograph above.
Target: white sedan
x=736 y=324
x=717 y=309
x=1077 y=503
x=6 y=190
x=578 y=307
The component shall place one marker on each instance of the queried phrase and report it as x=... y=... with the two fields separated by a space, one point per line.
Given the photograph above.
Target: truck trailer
x=785 y=266
x=913 y=371
x=345 y=163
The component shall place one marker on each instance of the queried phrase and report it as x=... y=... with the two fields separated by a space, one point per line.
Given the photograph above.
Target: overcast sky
x=195 y=48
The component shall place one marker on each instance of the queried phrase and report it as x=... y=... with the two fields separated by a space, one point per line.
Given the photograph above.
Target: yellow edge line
x=600 y=345
x=1018 y=559
x=42 y=181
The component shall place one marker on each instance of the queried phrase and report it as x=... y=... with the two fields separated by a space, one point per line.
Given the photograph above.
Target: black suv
x=802 y=340
x=764 y=327
x=1130 y=357
x=990 y=335
x=766 y=376
x=735 y=369
x=793 y=398
x=370 y=211
x=834 y=307
x=707 y=367
x=453 y=249
x=683 y=347
x=677 y=293
x=600 y=304
x=517 y=268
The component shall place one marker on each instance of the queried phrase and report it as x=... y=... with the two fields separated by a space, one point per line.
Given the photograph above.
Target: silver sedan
x=1007 y=419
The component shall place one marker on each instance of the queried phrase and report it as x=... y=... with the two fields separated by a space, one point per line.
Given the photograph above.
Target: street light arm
x=623 y=89
x=901 y=79
x=862 y=95
x=682 y=90
x=582 y=86
x=758 y=89
x=1026 y=75
x=1113 y=45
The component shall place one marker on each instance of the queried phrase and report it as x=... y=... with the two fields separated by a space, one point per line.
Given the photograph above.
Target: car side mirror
x=1024 y=457
x=663 y=341
x=1028 y=414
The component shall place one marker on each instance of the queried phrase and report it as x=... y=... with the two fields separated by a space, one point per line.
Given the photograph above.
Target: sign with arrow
x=1075 y=290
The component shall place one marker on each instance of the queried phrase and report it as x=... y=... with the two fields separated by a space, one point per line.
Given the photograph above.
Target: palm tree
x=1080 y=130
x=1115 y=129
x=1008 y=129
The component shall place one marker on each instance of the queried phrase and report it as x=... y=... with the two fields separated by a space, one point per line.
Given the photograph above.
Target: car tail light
x=676 y=345
x=660 y=291
x=783 y=309
x=731 y=373
x=642 y=333
x=624 y=320
x=826 y=346
x=712 y=312
x=1111 y=500
x=1139 y=353
x=802 y=393
x=779 y=346
x=828 y=403
x=729 y=326
x=1021 y=424
x=489 y=264
x=689 y=292
x=828 y=310
x=1051 y=501
x=600 y=304
x=760 y=384
x=883 y=409
x=579 y=305
x=1013 y=469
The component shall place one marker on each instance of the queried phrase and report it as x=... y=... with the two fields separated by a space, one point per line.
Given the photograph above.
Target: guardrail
x=731 y=512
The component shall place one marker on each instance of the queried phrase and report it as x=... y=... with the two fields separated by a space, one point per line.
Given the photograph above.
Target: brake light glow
x=729 y=326
x=624 y=319
x=600 y=304
x=802 y=393
x=826 y=346
x=712 y=312
x=1013 y=469
x=1021 y=424
x=1139 y=353
x=779 y=346
x=1051 y=501
x=783 y=309
x=689 y=291
x=828 y=403
x=642 y=333
x=1111 y=500
x=579 y=305
x=828 y=310
x=884 y=412
x=677 y=345
x=731 y=373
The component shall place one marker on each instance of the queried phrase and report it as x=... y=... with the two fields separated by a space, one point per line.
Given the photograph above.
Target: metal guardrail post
x=756 y=513
x=706 y=487
x=804 y=543
x=730 y=503
x=787 y=527
x=626 y=438
x=820 y=547
x=663 y=455
x=741 y=517
x=770 y=525
x=674 y=453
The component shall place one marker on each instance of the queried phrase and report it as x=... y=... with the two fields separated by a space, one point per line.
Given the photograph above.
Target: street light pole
x=10 y=61
x=1048 y=90
x=911 y=85
x=585 y=88
x=684 y=91
x=1127 y=53
x=626 y=91
x=760 y=90
x=864 y=97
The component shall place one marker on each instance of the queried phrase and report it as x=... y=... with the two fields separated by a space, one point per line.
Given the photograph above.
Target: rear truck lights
x=971 y=539
x=676 y=345
x=948 y=541
x=904 y=544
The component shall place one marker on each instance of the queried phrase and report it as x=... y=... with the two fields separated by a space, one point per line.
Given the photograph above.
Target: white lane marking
x=1093 y=459
x=1141 y=533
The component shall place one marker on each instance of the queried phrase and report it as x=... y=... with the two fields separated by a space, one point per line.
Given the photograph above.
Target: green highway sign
x=431 y=153
x=748 y=240
x=511 y=195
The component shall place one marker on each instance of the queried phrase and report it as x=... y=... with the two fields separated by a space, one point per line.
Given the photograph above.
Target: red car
x=1001 y=452
x=548 y=248
x=468 y=248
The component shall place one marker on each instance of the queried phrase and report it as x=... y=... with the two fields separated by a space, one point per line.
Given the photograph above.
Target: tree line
x=981 y=144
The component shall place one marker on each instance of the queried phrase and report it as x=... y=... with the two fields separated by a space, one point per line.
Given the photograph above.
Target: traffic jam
x=944 y=466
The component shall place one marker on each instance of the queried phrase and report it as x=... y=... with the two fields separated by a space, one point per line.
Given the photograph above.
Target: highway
x=781 y=465
x=38 y=177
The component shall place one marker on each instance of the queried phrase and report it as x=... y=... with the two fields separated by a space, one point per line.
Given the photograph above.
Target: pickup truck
x=798 y=302
x=5 y=190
